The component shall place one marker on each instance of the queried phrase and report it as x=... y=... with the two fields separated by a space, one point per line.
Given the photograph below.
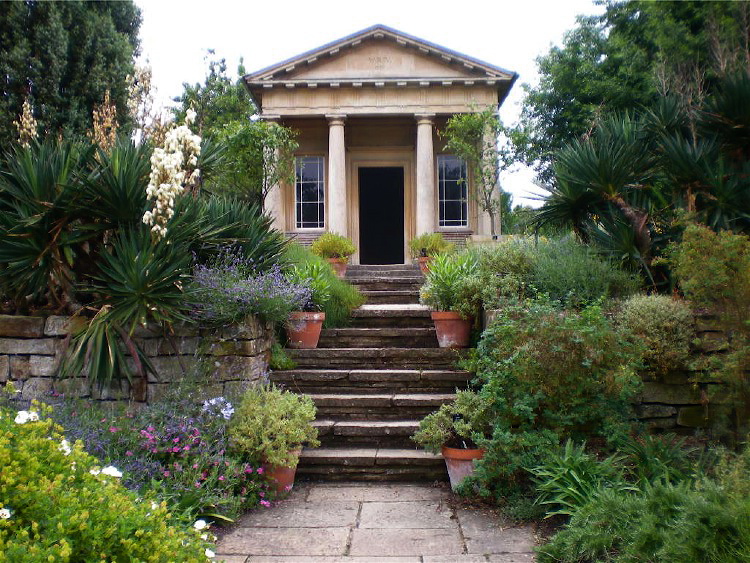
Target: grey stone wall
x=683 y=401
x=229 y=359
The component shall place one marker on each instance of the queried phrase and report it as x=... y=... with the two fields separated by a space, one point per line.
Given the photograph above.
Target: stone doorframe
x=398 y=157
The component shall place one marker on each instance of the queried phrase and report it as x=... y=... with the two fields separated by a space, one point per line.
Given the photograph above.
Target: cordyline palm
x=612 y=166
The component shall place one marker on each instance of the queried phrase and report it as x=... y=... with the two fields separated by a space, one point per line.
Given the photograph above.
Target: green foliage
x=270 y=424
x=665 y=457
x=344 y=297
x=550 y=375
x=257 y=156
x=431 y=244
x=665 y=328
x=332 y=245
x=280 y=360
x=448 y=273
x=570 y=478
x=65 y=56
x=63 y=507
x=316 y=276
x=458 y=424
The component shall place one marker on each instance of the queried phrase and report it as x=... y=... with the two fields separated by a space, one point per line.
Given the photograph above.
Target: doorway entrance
x=381 y=215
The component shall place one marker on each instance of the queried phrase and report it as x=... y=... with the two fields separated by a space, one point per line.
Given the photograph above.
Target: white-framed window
x=309 y=192
x=453 y=188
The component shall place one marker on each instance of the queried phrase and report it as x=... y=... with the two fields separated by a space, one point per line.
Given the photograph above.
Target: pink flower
x=265 y=503
x=261 y=494
x=113 y=429
x=221 y=478
x=128 y=453
x=260 y=471
x=248 y=470
x=195 y=466
x=186 y=449
x=175 y=450
x=176 y=440
x=166 y=474
x=197 y=485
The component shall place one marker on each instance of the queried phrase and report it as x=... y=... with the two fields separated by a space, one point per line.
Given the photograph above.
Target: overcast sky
x=175 y=35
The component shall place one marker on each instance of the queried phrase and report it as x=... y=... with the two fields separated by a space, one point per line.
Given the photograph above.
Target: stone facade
x=376 y=99
x=231 y=358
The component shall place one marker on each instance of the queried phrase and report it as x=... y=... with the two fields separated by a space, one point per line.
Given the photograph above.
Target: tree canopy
x=624 y=59
x=63 y=57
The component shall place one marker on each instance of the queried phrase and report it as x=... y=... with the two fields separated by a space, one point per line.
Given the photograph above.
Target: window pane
x=309 y=192
x=452 y=192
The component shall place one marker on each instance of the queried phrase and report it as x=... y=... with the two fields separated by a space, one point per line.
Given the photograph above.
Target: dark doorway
x=381 y=215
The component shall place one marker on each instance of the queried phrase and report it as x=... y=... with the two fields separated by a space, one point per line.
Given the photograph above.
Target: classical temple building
x=371 y=164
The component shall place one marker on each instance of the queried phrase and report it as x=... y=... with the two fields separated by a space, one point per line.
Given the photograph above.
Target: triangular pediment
x=379 y=53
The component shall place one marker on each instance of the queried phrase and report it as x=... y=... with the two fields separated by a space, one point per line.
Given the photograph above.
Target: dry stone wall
x=229 y=359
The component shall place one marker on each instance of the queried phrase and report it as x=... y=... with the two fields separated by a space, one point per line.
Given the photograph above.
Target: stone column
x=274 y=201
x=425 y=175
x=336 y=221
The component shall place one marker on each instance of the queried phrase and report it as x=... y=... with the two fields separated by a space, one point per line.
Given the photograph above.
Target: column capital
x=424 y=118
x=336 y=118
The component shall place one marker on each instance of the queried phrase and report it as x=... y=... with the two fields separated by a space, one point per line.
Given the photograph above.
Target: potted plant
x=454 y=430
x=303 y=327
x=453 y=292
x=424 y=247
x=270 y=427
x=336 y=249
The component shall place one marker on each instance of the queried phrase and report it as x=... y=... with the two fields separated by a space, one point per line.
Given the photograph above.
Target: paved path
x=371 y=523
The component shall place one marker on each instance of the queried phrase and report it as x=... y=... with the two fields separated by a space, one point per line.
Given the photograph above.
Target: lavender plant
x=230 y=287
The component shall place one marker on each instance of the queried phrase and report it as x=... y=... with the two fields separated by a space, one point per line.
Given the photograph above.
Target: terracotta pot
x=460 y=463
x=339 y=265
x=303 y=329
x=424 y=264
x=453 y=331
x=281 y=477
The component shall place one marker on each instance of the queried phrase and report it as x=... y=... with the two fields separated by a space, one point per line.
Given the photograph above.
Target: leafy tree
x=63 y=57
x=474 y=138
x=634 y=53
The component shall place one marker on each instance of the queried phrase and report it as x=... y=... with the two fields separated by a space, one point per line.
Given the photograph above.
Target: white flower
x=210 y=554
x=65 y=447
x=154 y=506
x=200 y=525
x=94 y=471
x=190 y=116
x=4 y=513
x=112 y=471
x=26 y=416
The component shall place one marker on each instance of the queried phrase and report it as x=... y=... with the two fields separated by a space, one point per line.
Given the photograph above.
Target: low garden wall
x=229 y=359
x=683 y=401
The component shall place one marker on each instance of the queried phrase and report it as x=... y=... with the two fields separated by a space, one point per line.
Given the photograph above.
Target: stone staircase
x=373 y=381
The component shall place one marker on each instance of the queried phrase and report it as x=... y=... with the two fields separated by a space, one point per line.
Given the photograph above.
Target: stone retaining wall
x=230 y=358
x=683 y=401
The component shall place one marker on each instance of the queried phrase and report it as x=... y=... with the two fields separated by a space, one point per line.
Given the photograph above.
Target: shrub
x=344 y=297
x=316 y=276
x=505 y=271
x=270 y=424
x=430 y=244
x=59 y=503
x=665 y=328
x=447 y=288
x=230 y=288
x=550 y=375
x=332 y=245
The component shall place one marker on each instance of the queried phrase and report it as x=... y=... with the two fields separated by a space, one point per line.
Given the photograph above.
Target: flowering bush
x=58 y=504
x=230 y=288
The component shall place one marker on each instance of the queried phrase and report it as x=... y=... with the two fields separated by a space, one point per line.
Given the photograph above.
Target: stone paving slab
x=406 y=542
x=374 y=523
x=284 y=541
x=368 y=493
x=406 y=515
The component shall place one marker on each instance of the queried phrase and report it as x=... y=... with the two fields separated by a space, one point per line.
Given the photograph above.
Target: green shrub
x=449 y=285
x=430 y=244
x=270 y=424
x=505 y=271
x=576 y=275
x=458 y=424
x=61 y=505
x=344 y=297
x=332 y=245
x=550 y=375
x=280 y=360
x=665 y=328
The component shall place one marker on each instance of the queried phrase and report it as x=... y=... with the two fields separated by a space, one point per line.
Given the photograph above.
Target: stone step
x=378 y=406
x=378 y=337
x=384 y=271
x=376 y=358
x=367 y=433
x=371 y=381
x=392 y=315
x=372 y=283
x=371 y=464
x=391 y=296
